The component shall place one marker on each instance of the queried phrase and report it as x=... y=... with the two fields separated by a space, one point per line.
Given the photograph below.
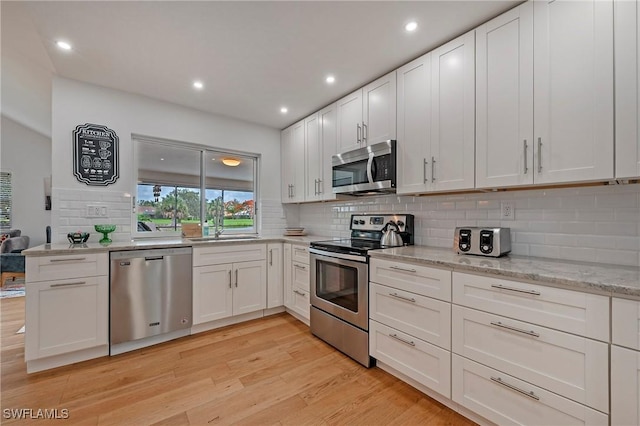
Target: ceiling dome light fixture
x=63 y=45
x=330 y=79
x=198 y=84
x=284 y=110
x=231 y=162
x=411 y=26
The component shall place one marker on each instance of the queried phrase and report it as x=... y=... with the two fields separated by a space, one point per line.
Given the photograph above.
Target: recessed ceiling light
x=198 y=84
x=330 y=79
x=63 y=45
x=162 y=159
x=411 y=26
x=284 y=110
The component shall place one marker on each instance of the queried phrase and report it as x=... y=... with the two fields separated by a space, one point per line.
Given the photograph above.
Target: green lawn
x=228 y=223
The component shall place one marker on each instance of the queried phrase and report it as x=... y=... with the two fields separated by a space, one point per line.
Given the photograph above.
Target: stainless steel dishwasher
x=150 y=297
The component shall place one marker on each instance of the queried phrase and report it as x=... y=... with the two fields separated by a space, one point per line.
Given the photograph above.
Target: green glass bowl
x=105 y=230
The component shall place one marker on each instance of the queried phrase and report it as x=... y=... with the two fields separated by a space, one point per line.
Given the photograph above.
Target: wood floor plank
x=270 y=371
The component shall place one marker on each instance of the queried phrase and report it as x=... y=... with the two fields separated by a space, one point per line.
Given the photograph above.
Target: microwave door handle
x=370 y=168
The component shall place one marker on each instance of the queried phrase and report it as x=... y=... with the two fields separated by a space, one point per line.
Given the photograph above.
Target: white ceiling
x=253 y=57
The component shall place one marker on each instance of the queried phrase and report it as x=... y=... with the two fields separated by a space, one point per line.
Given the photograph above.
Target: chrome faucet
x=218 y=220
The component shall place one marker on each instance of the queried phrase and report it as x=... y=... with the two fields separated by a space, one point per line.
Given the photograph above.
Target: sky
x=145 y=193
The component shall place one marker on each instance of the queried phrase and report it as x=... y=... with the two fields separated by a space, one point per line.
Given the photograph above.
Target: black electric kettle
x=390 y=236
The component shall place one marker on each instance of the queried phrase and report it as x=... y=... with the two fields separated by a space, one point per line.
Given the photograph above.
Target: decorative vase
x=105 y=230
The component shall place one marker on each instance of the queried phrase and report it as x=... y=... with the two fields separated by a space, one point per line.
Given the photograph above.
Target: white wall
x=77 y=103
x=591 y=224
x=27 y=155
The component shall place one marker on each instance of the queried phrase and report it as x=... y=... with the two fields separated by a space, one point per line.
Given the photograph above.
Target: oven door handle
x=342 y=256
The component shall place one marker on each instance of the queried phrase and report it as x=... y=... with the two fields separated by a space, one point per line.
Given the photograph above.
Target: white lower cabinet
x=625 y=362
x=67 y=309
x=65 y=316
x=423 y=317
x=220 y=291
x=297 y=280
x=275 y=280
x=625 y=386
x=569 y=365
x=504 y=399
x=425 y=363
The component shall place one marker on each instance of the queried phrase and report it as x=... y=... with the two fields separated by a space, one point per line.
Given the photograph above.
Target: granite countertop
x=154 y=243
x=592 y=277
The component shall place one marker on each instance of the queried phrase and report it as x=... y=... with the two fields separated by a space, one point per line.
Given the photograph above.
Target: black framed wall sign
x=95 y=154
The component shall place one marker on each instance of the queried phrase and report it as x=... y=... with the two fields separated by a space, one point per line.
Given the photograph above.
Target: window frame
x=203 y=150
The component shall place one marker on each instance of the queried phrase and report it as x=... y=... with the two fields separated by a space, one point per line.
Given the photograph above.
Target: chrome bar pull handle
x=406 y=342
x=539 y=155
x=530 y=394
x=270 y=257
x=519 y=330
x=229 y=278
x=75 y=259
x=526 y=166
x=433 y=169
x=358 y=136
x=397 y=268
x=319 y=186
x=424 y=171
x=519 y=290
x=67 y=284
x=236 y=278
x=300 y=266
x=397 y=296
x=364 y=132
x=299 y=293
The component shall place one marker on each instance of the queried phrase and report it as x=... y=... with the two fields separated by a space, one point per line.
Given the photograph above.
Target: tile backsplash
x=591 y=224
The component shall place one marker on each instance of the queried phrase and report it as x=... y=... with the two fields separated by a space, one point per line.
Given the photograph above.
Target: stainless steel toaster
x=494 y=242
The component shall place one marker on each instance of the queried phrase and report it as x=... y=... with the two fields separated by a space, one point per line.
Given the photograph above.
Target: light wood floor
x=270 y=371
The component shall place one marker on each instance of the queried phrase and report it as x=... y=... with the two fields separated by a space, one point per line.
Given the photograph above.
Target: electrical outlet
x=508 y=211
x=96 y=211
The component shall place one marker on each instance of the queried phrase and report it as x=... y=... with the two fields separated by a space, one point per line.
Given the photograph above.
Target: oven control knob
x=361 y=222
x=485 y=249
x=463 y=246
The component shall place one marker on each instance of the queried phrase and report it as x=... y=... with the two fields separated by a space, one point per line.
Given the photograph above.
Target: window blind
x=5 y=200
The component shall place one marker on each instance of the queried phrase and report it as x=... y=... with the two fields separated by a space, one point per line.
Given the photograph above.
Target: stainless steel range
x=340 y=281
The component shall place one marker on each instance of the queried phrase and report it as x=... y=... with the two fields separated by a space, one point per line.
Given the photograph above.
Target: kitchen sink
x=226 y=238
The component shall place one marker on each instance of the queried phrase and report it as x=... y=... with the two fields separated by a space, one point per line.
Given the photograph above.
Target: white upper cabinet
x=573 y=90
x=504 y=99
x=293 y=164
x=436 y=125
x=350 y=121
x=379 y=110
x=328 y=137
x=414 y=115
x=452 y=162
x=313 y=157
x=368 y=115
x=627 y=54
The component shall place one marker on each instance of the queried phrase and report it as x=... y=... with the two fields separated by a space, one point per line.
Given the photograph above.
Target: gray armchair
x=12 y=263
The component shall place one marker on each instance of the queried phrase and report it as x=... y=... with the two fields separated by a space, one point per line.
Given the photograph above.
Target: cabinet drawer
x=506 y=400
x=625 y=327
x=301 y=302
x=571 y=311
x=300 y=276
x=421 y=361
x=572 y=366
x=625 y=386
x=66 y=315
x=226 y=253
x=67 y=266
x=422 y=317
x=422 y=280
x=300 y=254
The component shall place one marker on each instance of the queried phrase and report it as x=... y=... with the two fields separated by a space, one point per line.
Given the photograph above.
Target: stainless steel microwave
x=371 y=169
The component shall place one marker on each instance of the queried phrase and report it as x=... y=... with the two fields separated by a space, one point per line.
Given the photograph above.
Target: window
x=171 y=180
x=5 y=200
